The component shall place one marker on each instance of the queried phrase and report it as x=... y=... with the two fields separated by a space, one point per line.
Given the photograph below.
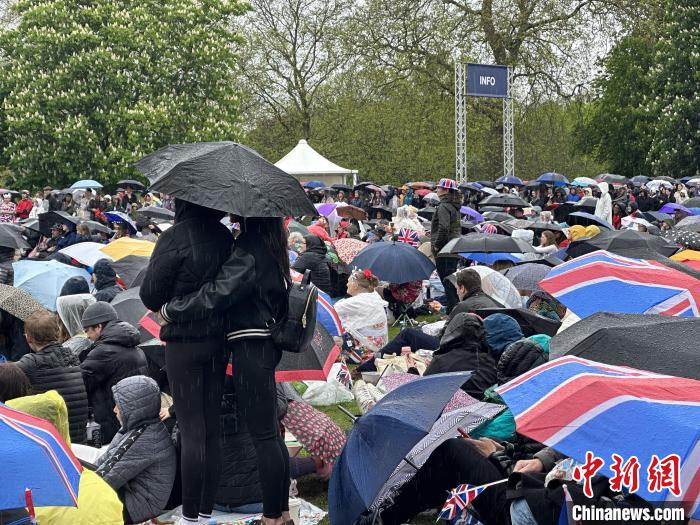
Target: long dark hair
x=270 y=230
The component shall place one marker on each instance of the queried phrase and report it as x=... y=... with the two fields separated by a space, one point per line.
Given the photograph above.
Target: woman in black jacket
x=252 y=286
x=314 y=259
x=185 y=257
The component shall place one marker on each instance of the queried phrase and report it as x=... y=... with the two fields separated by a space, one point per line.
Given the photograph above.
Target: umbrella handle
x=30 y=505
x=352 y=417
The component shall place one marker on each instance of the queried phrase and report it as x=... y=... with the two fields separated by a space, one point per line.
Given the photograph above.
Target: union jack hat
x=448 y=184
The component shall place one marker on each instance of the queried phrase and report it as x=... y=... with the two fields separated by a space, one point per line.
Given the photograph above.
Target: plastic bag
x=324 y=393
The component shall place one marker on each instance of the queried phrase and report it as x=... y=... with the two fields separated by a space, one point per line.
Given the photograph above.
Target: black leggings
x=254 y=362
x=196 y=376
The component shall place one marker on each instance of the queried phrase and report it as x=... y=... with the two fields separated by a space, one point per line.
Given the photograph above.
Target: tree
x=675 y=149
x=93 y=86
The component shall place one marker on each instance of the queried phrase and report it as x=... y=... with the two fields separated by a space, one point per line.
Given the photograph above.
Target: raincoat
x=603 y=208
x=407 y=217
x=364 y=317
x=97 y=502
x=70 y=310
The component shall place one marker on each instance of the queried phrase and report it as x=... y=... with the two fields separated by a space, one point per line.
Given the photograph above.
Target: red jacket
x=320 y=231
x=24 y=206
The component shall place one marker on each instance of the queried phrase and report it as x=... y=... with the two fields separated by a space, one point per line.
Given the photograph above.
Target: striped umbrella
x=578 y=406
x=326 y=314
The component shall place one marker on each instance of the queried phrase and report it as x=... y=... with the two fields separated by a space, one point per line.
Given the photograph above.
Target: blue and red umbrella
x=326 y=314
x=605 y=282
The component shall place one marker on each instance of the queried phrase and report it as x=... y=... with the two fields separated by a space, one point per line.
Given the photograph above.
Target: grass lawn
x=315 y=490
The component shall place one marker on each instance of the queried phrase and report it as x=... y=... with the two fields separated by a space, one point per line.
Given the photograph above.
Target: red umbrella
x=348 y=248
x=423 y=192
x=419 y=185
x=314 y=430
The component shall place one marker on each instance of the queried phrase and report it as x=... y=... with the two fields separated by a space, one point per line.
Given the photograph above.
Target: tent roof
x=304 y=160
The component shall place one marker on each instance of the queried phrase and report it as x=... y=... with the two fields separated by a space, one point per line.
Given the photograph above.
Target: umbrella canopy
x=587 y=219
x=118 y=216
x=421 y=185
x=666 y=178
x=423 y=192
x=48 y=219
x=348 y=248
x=295 y=226
x=612 y=178
x=427 y=213
x=385 y=211
x=85 y=184
x=325 y=314
x=622 y=242
x=693 y=202
x=498 y=216
x=655 y=216
x=153 y=212
x=658 y=343
x=490 y=258
x=496 y=285
x=17 y=302
x=44 y=279
x=97 y=227
x=583 y=182
x=87 y=253
x=655 y=185
x=349 y=211
x=11 y=237
x=605 y=282
x=313 y=184
x=527 y=277
x=136 y=185
x=316 y=432
x=130 y=308
x=312 y=365
x=691 y=223
x=382 y=438
x=671 y=208
x=341 y=187
x=639 y=179
x=34 y=456
x=557 y=179
x=504 y=200
x=394 y=262
x=131 y=269
x=225 y=176
x=126 y=246
x=530 y=322
x=486 y=243
x=471 y=213
x=509 y=180
x=155 y=351
x=686 y=255
x=686 y=238
x=549 y=260
x=577 y=406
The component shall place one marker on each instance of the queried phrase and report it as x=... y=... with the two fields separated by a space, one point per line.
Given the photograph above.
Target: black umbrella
x=501 y=227
x=549 y=260
x=622 y=242
x=226 y=176
x=131 y=269
x=692 y=203
x=530 y=322
x=155 y=351
x=486 y=243
x=153 y=212
x=686 y=238
x=658 y=343
x=313 y=364
x=666 y=178
x=504 y=200
x=612 y=178
x=427 y=213
x=97 y=227
x=136 y=185
x=11 y=237
x=498 y=216
x=520 y=224
x=341 y=187
x=49 y=218
x=30 y=224
x=542 y=226
x=385 y=212
x=131 y=309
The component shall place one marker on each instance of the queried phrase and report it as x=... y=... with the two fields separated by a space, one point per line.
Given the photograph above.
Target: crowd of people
x=192 y=433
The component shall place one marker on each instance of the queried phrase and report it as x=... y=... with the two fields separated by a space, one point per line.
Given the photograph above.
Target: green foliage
x=675 y=149
x=93 y=85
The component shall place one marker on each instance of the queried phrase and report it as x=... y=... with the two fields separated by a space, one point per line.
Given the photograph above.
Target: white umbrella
x=432 y=197
x=498 y=287
x=655 y=185
x=584 y=181
x=87 y=253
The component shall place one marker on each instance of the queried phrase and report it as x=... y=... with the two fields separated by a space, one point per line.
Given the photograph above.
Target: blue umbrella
x=588 y=219
x=394 y=262
x=470 y=212
x=490 y=258
x=510 y=180
x=475 y=186
x=640 y=179
x=118 y=216
x=557 y=179
x=314 y=184
x=84 y=184
x=382 y=438
x=44 y=279
x=672 y=207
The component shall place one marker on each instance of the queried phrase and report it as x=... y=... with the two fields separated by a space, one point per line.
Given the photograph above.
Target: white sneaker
x=205 y=521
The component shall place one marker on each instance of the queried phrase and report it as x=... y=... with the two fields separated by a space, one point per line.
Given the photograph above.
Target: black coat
x=110 y=359
x=476 y=301
x=106 y=282
x=56 y=368
x=314 y=259
x=463 y=348
x=519 y=357
x=186 y=256
x=446 y=223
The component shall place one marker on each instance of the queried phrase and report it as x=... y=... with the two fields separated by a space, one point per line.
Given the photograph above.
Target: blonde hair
x=368 y=283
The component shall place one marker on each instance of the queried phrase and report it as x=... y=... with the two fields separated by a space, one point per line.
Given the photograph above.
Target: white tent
x=306 y=164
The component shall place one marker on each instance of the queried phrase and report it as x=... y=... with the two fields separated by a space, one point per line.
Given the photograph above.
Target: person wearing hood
x=471 y=296
x=70 y=309
x=51 y=366
x=314 y=259
x=444 y=227
x=105 y=279
x=186 y=256
x=646 y=202
x=603 y=208
x=501 y=330
x=7 y=273
x=73 y=286
x=113 y=356
x=140 y=462
x=463 y=348
x=97 y=501
x=519 y=357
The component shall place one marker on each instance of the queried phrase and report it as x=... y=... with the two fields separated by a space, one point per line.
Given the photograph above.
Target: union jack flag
x=409 y=236
x=605 y=282
x=343 y=376
x=459 y=498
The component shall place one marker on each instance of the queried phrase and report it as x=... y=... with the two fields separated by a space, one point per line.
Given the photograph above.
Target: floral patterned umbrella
x=314 y=430
x=347 y=249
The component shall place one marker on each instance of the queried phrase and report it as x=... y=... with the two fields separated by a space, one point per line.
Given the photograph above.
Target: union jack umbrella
x=34 y=456
x=605 y=282
x=408 y=236
x=575 y=406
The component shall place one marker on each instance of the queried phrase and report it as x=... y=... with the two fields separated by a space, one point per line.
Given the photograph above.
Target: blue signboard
x=487 y=81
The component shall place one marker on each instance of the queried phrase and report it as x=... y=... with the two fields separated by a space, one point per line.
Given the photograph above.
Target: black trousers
x=254 y=362
x=445 y=267
x=196 y=375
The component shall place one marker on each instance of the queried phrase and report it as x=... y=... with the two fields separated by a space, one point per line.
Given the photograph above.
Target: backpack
x=294 y=332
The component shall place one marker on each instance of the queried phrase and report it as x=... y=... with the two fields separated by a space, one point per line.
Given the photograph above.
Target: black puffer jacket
x=446 y=221
x=463 y=348
x=106 y=281
x=518 y=358
x=186 y=256
x=56 y=368
x=249 y=289
x=314 y=259
x=478 y=300
x=113 y=357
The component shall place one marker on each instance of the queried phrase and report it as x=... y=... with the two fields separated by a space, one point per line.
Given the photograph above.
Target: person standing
x=603 y=208
x=51 y=203
x=252 y=288
x=444 y=227
x=188 y=255
x=24 y=206
x=7 y=209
